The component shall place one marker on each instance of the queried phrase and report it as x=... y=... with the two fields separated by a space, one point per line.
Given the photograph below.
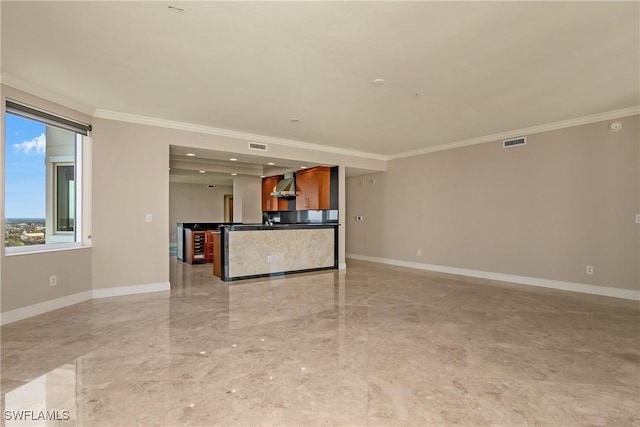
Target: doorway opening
x=228 y=208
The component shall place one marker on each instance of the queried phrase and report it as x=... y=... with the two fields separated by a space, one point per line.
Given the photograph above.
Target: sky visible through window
x=25 y=179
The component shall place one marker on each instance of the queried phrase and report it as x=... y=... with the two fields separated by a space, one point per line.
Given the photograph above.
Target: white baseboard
x=342 y=266
x=522 y=280
x=131 y=290
x=43 y=307
x=55 y=304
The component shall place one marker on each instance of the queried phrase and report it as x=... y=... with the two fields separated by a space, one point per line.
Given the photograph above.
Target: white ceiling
x=453 y=70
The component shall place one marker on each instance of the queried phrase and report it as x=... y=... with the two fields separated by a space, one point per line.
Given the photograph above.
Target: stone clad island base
x=250 y=251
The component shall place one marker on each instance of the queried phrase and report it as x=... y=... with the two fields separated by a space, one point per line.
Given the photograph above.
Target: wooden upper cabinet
x=314 y=188
x=270 y=203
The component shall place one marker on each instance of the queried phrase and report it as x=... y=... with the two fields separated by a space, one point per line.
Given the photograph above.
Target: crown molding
x=170 y=124
x=610 y=115
x=151 y=121
x=39 y=91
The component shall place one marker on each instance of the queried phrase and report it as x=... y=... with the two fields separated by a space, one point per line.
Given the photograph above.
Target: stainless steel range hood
x=286 y=187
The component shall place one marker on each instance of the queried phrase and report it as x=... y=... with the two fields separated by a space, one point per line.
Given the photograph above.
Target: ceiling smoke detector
x=615 y=126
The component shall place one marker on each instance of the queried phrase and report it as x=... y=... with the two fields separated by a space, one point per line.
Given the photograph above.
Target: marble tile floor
x=375 y=345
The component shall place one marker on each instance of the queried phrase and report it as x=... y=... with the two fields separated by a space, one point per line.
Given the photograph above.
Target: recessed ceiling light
x=234 y=174
x=191 y=155
x=233 y=159
x=303 y=167
x=295 y=119
x=378 y=82
x=262 y=176
x=271 y=163
x=202 y=171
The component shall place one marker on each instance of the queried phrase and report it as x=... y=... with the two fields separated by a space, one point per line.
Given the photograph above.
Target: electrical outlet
x=590 y=270
x=268 y=258
x=53 y=280
x=419 y=252
x=149 y=217
x=638 y=219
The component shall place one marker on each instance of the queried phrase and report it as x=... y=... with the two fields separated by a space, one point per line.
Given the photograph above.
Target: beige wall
x=195 y=203
x=25 y=278
x=566 y=199
x=247 y=200
x=130 y=180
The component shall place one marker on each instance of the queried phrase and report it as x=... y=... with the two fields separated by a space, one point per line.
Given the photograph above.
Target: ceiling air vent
x=257 y=146
x=508 y=143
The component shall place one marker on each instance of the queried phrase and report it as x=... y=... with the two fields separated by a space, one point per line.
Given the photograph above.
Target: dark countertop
x=204 y=225
x=252 y=227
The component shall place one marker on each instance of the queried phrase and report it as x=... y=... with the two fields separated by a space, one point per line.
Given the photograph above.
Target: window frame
x=81 y=161
x=56 y=202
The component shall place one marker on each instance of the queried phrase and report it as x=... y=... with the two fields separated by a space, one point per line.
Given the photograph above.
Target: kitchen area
x=292 y=227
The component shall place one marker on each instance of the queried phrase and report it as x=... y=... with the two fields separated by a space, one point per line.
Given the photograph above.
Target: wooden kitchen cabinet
x=208 y=249
x=313 y=186
x=217 y=254
x=196 y=246
x=270 y=203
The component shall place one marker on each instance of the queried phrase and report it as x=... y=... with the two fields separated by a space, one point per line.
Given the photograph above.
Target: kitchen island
x=258 y=250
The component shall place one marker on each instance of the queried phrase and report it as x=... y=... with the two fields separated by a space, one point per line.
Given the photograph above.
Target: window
x=65 y=198
x=43 y=180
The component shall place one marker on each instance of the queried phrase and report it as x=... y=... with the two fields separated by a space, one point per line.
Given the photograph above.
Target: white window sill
x=22 y=250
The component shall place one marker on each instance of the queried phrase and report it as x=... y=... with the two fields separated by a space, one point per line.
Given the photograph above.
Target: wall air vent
x=257 y=146
x=508 y=143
